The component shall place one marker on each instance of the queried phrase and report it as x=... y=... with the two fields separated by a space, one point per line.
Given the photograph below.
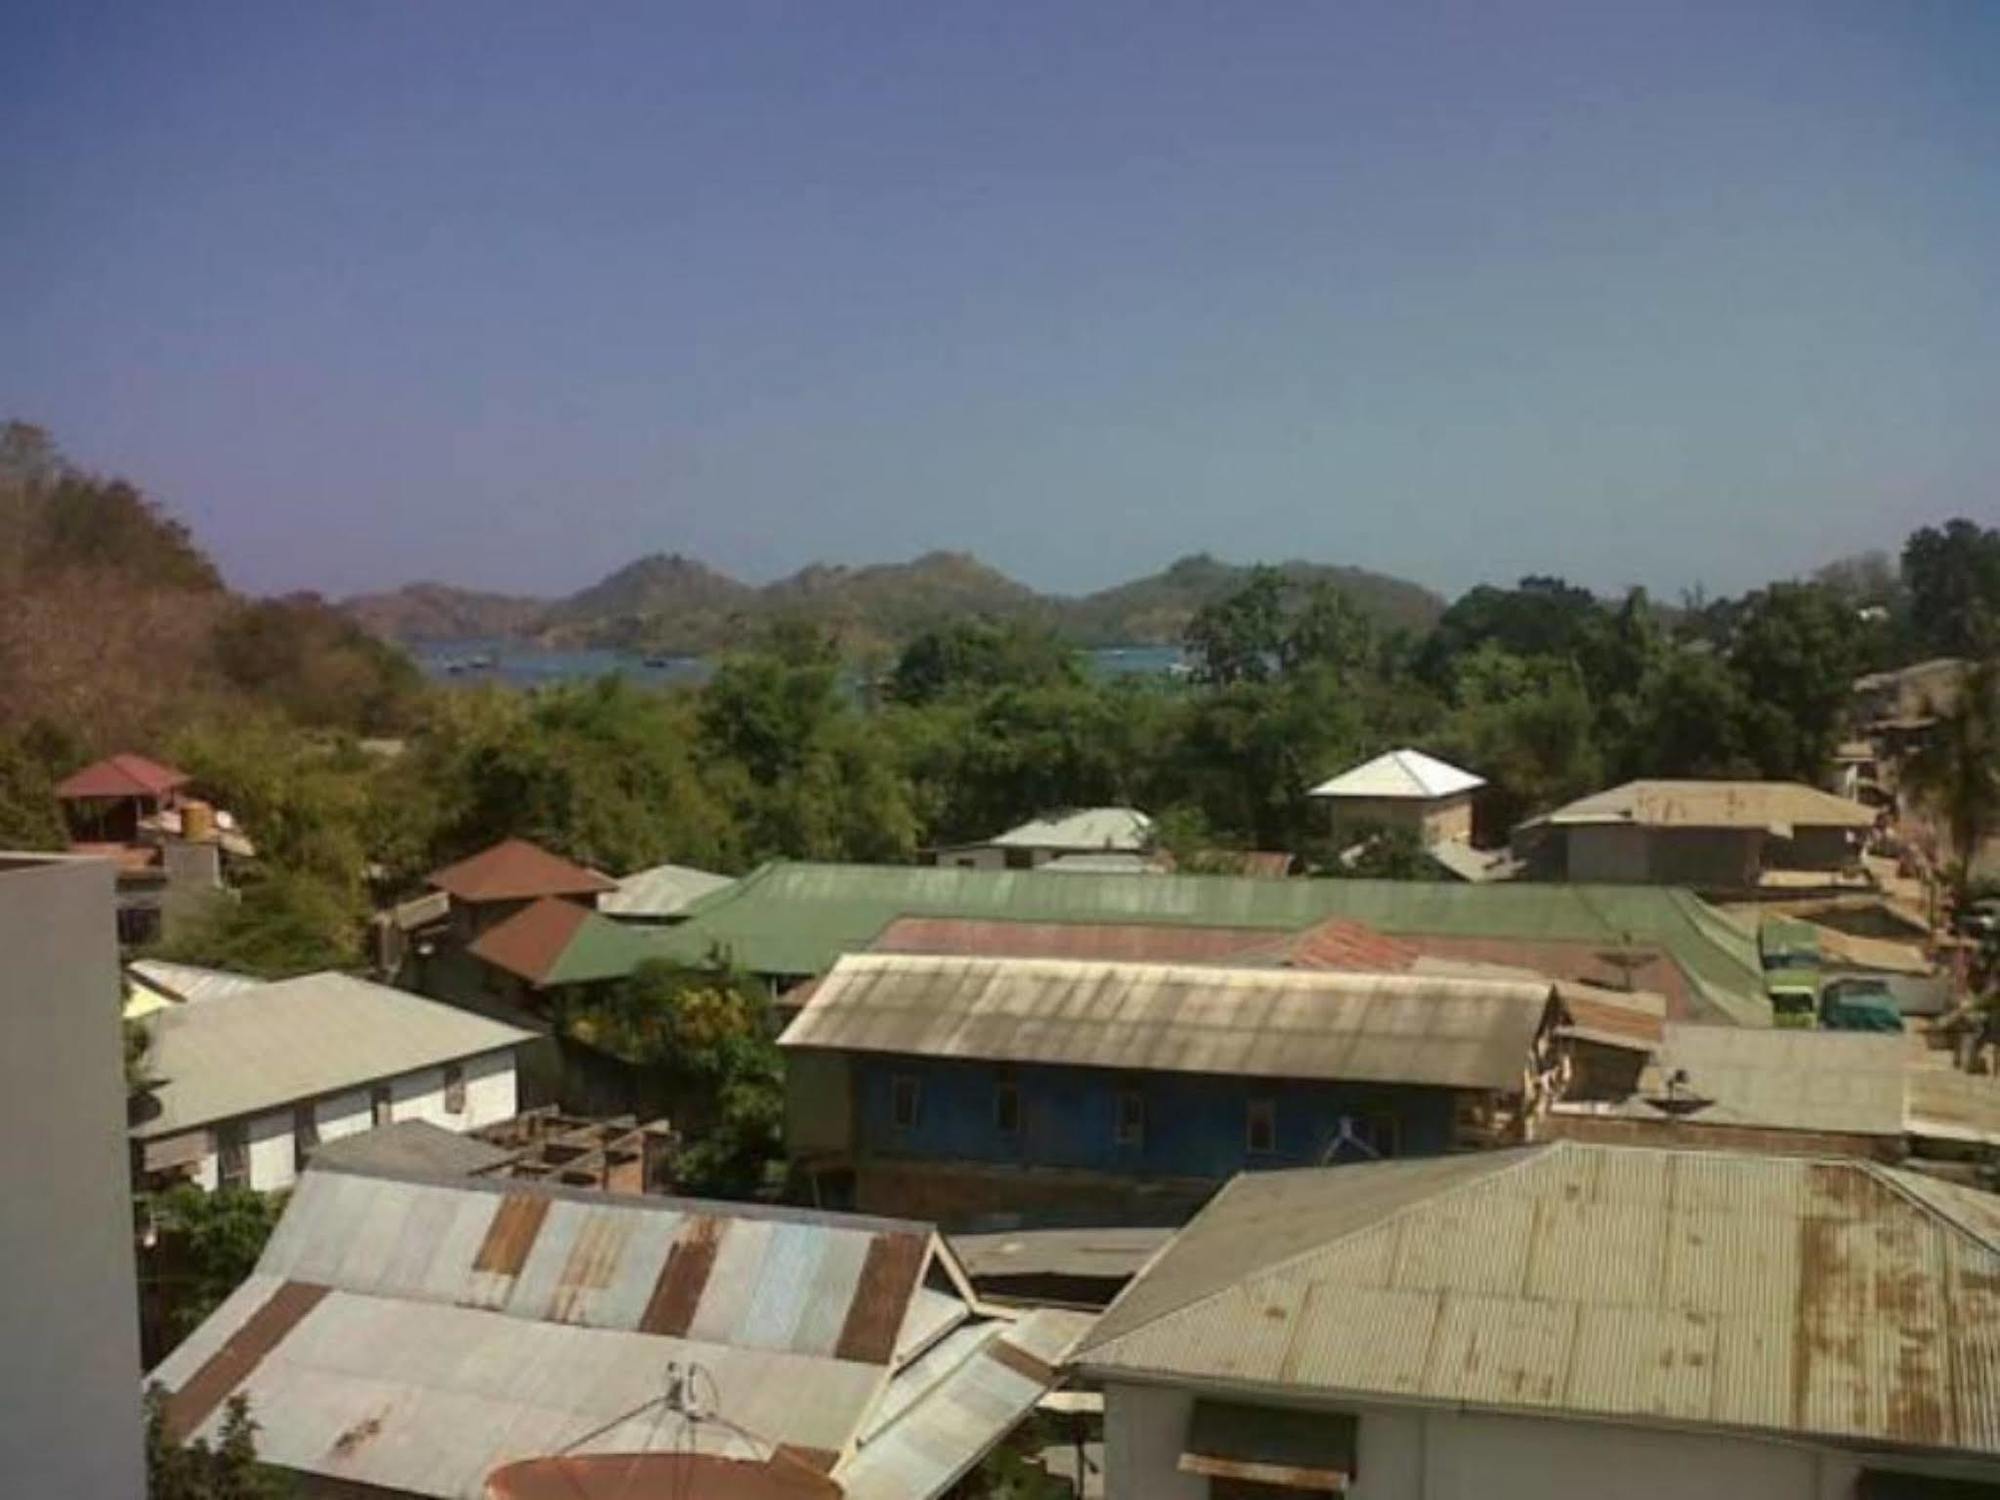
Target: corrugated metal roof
x=188 y=981
x=450 y=1327
x=122 y=776
x=516 y=870
x=1132 y=942
x=1109 y=1252
x=1105 y=864
x=1276 y=1023
x=1775 y=1294
x=1944 y=1104
x=271 y=1045
x=1850 y=1083
x=1779 y=805
x=1336 y=943
x=1400 y=773
x=973 y=1392
x=1083 y=828
x=661 y=891
x=798 y=918
x=553 y=941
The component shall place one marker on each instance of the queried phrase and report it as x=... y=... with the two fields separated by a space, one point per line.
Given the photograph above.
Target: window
x=1007 y=1107
x=381 y=1104
x=232 y=1155
x=1131 y=1128
x=1019 y=859
x=305 y=1134
x=138 y=925
x=454 y=1089
x=904 y=1100
x=1260 y=1127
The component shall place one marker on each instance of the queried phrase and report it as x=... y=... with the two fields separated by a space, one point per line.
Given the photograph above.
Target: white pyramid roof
x=1400 y=773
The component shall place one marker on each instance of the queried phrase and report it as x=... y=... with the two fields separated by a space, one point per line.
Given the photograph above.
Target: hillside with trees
x=673 y=604
x=125 y=638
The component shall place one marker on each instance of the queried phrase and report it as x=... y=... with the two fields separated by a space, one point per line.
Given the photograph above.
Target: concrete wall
x=489 y=1097
x=1411 y=1453
x=69 y=1389
x=1615 y=853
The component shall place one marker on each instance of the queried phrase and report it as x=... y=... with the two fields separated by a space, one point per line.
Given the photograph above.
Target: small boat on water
x=463 y=664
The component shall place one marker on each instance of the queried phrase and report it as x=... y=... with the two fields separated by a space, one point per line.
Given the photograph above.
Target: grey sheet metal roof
x=662 y=891
x=1279 y=1023
x=1786 y=1080
x=187 y=982
x=275 y=1044
x=450 y=1327
x=1109 y=1252
x=1941 y=1103
x=1083 y=828
x=410 y=1146
x=1833 y=1300
x=939 y=1416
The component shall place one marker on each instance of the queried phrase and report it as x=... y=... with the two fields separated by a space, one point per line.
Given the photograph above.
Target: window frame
x=454 y=1088
x=381 y=1105
x=1260 y=1109
x=1006 y=1092
x=305 y=1133
x=905 y=1086
x=232 y=1154
x=1128 y=1124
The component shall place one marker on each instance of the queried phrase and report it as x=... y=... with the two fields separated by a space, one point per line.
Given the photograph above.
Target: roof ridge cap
x=1893 y=1178
x=1531 y=1151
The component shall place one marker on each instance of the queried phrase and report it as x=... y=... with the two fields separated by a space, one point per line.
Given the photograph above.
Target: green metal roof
x=798 y=918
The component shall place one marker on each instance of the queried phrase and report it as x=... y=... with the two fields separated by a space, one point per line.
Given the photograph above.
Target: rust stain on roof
x=593 y=1261
x=676 y=1295
x=1138 y=942
x=875 y=1316
x=262 y=1331
x=511 y=1234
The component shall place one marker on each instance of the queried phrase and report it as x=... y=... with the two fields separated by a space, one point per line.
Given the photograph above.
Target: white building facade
x=253 y=1080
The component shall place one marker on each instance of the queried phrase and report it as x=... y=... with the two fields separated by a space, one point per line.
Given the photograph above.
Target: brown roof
x=1582 y=963
x=1135 y=942
x=1636 y=1020
x=1337 y=943
x=122 y=776
x=529 y=943
x=516 y=870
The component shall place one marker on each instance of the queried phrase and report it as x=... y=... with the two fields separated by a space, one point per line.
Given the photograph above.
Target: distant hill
x=439 y=612
x=669 y=603
x=1156 y=609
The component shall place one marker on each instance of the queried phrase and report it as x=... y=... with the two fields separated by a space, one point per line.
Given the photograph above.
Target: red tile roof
x=516 y=870
x=529 y=943
x=122 y=776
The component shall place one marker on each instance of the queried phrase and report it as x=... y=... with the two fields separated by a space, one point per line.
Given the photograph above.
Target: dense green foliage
x=225 y=1469
x=207 y=1244
x=1545 y=689
x=1957 y=772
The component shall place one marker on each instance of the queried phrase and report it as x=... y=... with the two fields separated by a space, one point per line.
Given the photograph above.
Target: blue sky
x=509 y=294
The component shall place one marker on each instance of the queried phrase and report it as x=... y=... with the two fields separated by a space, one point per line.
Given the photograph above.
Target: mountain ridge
x=670 y=603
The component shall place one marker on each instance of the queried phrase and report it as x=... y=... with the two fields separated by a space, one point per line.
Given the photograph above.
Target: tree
x=1236 y=639
x=208 y=1243
x=226 y=1469
x=1689 y=717
x=1956 y=771
x=1542 y=617
x=977 y=656
x=1796 y=655
x=28 y=817
x=709 y=1035
x=1529 y=726
x=281 y=923
x=1952 y=575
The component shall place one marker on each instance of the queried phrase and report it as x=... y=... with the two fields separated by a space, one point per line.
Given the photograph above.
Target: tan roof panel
x=1714 y=804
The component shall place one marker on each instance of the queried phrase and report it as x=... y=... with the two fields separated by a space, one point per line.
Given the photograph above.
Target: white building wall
x=490 y=1096
x=343 y=1114
x=272 y=1167
x=1410 y=1453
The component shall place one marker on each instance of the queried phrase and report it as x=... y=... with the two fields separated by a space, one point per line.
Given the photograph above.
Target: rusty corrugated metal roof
x=516 y=870
x=531 y=942
x=1834 y=1300
x=1187 y=1018
x=1136 y=942
x=417 y=1334
x=1337 y=943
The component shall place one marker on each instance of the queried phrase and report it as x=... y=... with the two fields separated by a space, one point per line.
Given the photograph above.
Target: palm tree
x=1956 y=771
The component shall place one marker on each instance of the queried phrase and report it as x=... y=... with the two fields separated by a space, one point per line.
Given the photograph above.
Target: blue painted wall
x=1195 y=1124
